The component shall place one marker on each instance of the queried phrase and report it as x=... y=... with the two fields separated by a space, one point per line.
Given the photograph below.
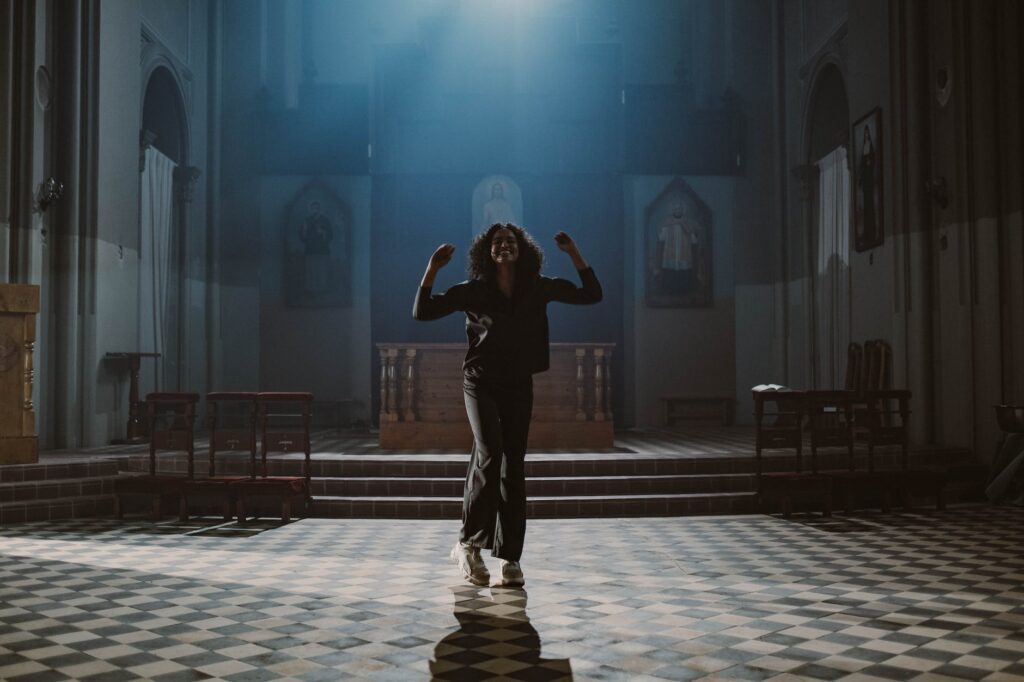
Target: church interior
x=787 y=443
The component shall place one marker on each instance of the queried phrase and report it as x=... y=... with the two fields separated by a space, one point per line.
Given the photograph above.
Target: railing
x=421 y=388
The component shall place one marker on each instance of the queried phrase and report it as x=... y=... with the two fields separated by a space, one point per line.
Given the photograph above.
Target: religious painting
x=677 y=228
x=317 y=237
x=868 y=207
x=496 y=199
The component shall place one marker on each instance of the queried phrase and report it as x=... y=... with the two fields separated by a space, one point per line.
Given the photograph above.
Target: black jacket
x=508 y=337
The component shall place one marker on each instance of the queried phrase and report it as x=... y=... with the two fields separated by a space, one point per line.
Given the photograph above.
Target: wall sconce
x=938 y=191
x=50 y=192
x=943 y=85
x=185 y=178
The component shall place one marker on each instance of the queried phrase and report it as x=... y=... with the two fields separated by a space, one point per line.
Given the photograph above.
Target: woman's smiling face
x=504 y=246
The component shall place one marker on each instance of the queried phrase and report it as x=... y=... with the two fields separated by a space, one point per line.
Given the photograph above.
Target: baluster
x=581 y=415
x=383 y=384
x=392 y=385
x=607 y=384
x=599 y=385
x=410 y=385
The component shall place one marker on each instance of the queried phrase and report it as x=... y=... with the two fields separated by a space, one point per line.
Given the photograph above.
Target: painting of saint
x=316 y=268
x=676 y=258
x=496 y=199
x=316 y=233
x=497 y=209
x=678 y=228
x=867 y=181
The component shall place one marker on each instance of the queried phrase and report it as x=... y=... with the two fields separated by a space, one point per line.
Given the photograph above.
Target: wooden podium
x=19 y=304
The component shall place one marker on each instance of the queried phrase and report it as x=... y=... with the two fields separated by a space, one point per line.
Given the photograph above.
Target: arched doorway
x=162 y=229
x=826 y=141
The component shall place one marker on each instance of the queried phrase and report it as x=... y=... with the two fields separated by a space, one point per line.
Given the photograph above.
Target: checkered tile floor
x=918 y=596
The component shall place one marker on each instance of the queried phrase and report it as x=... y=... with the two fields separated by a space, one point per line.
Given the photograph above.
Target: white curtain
x=157 y=201
x=832 y=272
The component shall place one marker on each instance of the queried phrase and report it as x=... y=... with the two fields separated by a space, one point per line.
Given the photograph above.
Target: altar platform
x=649 y=472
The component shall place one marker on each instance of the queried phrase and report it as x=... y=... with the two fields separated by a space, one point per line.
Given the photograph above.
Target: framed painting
x=317 y=235
x=677 y=229
x=868 y=205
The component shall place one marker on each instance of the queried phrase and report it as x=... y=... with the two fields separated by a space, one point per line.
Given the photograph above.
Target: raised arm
x=564 y=291
x=430 y=307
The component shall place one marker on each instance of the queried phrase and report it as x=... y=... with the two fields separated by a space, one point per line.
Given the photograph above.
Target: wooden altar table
x=421 y=403
x=138 y=430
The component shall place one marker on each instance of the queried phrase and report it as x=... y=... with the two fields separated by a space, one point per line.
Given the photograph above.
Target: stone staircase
x=411 y=486
x=665 y=473
x=57 y=490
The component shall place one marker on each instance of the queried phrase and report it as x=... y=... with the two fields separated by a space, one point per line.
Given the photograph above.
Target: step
x=50 y=489
x=547 y=507
x=86 y=506
x=540 y=465
x=541 y=486
x=44 y=471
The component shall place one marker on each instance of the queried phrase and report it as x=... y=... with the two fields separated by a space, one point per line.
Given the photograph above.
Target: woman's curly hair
x=482 y=266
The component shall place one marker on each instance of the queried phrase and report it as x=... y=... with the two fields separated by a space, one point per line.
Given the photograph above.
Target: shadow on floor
x=864 y=521
x=494 y=639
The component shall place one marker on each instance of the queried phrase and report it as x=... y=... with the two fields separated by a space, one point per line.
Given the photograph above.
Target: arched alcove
x=163 y=115
x=828 y=113
x=163 y=228
x=826 y=144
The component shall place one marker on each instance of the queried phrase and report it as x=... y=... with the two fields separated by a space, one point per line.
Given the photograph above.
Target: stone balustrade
x=421 y=403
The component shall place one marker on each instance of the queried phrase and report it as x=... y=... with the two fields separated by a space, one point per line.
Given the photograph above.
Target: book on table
x=771 y=388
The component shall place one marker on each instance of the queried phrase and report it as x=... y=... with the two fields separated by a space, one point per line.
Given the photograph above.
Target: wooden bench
x=293 y=438
x=228 y=432
x=170 y=420
x=695 y=408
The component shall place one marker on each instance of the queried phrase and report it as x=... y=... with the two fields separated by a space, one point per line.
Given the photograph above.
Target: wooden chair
x=886 y=421
x=177 y=434
x=831 y=416
x=786 y=411
x=854 y=380
x=288 y=489
x=238 y=437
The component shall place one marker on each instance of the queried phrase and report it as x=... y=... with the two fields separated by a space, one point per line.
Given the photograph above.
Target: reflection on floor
x=917 y=596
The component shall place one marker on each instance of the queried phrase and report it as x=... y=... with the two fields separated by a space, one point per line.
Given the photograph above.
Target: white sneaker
x=511 y=574
x=472 y=566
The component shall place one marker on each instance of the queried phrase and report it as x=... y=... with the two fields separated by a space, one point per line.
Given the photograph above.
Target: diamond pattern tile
x=929 y=596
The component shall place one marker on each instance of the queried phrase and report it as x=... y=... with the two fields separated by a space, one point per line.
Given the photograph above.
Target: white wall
x=111 y=311
x=112 y=315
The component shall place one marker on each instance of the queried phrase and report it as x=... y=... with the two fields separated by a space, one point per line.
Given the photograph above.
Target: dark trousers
x=494 y=499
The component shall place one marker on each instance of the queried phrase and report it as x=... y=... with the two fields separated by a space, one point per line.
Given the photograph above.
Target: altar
x=19 y=304
x=421 y=403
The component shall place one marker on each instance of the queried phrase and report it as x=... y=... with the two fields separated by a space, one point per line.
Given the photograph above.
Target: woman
x=505 y=301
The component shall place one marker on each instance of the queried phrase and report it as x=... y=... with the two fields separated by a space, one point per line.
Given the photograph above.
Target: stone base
x=20 y=450
x=457 y=436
